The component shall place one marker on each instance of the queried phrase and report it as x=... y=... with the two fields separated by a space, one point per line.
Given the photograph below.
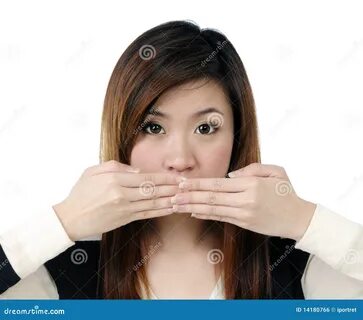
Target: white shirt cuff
x=35 y=241
x=335 y=240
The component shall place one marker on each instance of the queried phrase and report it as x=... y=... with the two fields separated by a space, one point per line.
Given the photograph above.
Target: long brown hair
x=165 y=56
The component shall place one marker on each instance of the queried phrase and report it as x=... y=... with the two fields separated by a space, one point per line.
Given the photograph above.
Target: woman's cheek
x=145 y=157
x=216 y=161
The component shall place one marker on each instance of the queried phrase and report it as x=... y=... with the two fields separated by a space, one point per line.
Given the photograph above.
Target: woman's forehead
x=192 y=100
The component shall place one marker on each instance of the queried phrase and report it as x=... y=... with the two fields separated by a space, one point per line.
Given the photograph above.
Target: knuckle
x=116 y=193
x=211 y=197
x=112 y=164
x=115 y=196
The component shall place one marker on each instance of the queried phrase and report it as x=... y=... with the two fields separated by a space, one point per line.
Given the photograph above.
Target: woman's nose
x=179 y=157
x=179 y=165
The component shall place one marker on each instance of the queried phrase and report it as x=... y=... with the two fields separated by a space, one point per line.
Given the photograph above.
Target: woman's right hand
x=106 y=197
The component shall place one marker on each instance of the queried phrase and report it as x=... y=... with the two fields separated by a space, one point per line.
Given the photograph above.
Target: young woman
x=179 y=105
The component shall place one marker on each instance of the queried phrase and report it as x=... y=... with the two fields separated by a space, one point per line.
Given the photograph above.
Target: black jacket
x=81 y=281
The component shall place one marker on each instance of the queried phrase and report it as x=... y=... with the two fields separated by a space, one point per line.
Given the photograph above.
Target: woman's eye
x=205 y=128
x=153 y=127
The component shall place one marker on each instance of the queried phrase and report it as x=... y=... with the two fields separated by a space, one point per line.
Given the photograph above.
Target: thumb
x=259 y=170
x=108 y=167
x=115 y=166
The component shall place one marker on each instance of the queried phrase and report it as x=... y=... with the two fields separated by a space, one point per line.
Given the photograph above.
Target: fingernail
x=131 y=169
x=232 y=174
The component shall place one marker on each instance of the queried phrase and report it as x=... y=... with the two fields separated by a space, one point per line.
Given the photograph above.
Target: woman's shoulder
x=76 y=270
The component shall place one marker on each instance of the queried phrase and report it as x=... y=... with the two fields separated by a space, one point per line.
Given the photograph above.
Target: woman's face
x=179 y=140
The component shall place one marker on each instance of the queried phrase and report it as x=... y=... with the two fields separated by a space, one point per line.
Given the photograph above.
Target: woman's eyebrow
x=199 y=113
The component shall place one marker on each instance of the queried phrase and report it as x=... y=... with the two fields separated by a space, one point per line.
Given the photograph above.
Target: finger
x=154 y=191
x=232 y=199
x=150 y=204
x=211 y=210
x=144 y=181
x=108 y=167
x=217 y=184
x=152 y=214
x=259 y=170
x=142 y=207
x=216 y=218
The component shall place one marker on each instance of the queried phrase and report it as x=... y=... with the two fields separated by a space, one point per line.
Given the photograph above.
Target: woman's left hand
x=259 y=198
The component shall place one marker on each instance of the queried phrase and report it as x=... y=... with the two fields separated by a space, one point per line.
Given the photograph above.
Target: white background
x=304 y=61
